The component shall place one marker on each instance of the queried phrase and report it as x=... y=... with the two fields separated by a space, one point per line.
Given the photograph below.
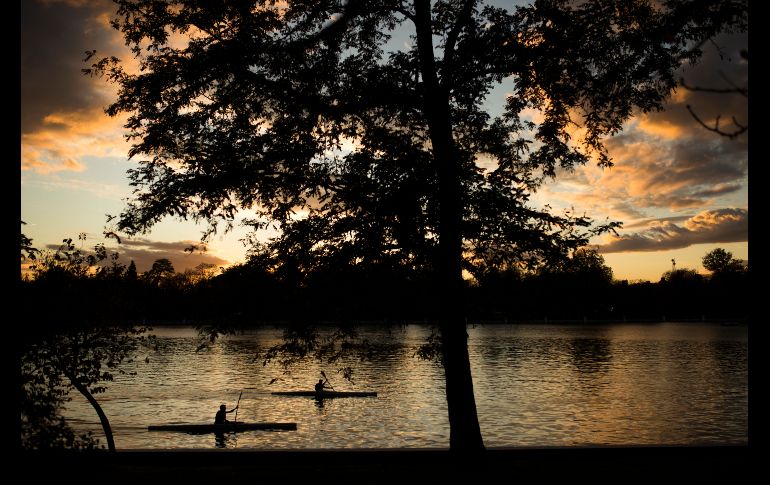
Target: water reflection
x=225 y=440
x=535 y=385
x=590 y=355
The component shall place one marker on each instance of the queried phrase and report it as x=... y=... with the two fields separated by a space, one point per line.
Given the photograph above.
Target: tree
x=131 y=271
x=27 y=250
x=162 y=270
x=81 y=358
x=720 y=261
x=42 y=425
x=74 y=352
x=681 y=277
x=587 y=265
x=256 y=110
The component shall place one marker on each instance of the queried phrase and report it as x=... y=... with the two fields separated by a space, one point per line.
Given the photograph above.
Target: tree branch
x=463 y=19
x=733 y=90
x=731 y=135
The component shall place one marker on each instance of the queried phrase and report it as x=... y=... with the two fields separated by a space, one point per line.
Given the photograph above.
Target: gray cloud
x=145 y=252
x=716 y=226
x=54 y=38
x=648 y=222
x=720 y=67
x=686 y=172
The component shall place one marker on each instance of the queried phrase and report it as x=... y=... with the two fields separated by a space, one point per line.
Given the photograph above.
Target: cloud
x=99 y=188
x=665 y=160
x=720 y=67
x=684 y=173
x=648 y=222
x=715 y=226
x=54 y=38
x=62 y=117
x=144 y=252
x=65 y=138
x=652 y=174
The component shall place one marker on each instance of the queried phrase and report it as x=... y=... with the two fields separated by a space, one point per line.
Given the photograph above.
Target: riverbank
x=536 y=465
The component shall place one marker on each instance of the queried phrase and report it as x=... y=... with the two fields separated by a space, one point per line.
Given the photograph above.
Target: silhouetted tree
x=720 y=261
x=87 y=357
x=681 y=276
x=27 y=250
x=131 y=271
x=42 y=425
x=162 y=270
x=587 y=265
x=260 y=105
x=74 y=352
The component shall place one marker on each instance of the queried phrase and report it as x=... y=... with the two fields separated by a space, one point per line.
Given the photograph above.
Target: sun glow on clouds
x=715 y=226
x=65 y=138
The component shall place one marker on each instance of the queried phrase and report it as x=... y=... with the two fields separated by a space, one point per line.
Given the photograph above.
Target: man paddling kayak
x=319 y=388
x=220 y=417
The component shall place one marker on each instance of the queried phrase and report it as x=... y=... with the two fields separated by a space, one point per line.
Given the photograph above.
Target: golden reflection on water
x=535 y=385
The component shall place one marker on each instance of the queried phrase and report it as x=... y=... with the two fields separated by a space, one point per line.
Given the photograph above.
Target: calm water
x=535 y=385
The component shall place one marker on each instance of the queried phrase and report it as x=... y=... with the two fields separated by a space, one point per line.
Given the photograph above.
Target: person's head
x=222 y=407
x=320 y=381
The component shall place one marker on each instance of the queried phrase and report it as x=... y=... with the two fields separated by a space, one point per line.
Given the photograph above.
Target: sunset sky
x=679 y=189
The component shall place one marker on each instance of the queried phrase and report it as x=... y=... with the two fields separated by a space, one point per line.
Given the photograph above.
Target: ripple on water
x=536 y=385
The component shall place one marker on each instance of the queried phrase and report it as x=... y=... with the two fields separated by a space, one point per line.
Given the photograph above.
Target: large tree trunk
x=465 y=433
x=102 y=417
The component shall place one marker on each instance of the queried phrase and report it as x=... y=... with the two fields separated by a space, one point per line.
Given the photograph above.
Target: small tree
x=71 y=354
x=78 y=358
x=161 y=270
x=682 y=276
x=720 y=261
x=130 y=273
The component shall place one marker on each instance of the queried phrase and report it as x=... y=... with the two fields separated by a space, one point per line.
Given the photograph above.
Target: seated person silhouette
x=319 y=388
x=220 y=417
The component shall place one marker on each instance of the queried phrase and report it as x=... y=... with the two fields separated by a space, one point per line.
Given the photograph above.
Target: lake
x=536 y=385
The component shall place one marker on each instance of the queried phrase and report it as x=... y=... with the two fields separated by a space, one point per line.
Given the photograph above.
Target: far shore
x=469 y=321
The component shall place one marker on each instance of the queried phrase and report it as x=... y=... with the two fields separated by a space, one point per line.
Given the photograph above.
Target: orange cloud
x=706 y=220
x=715 y=226
x=64 y=139
x=659 y=127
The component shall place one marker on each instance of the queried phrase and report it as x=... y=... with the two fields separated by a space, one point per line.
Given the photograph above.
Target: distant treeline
x=97 y=288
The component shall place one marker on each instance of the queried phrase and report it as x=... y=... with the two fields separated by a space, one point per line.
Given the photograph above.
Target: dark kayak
x=326 y=394
x=221 y=428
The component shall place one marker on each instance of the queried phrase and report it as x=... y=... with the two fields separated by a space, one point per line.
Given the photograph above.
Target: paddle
x=327 y=379
x=236 y=407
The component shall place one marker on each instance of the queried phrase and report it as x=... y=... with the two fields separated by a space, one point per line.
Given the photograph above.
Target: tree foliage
x=255 y=108
x=54 y=364
x=720 y=261
x=161 y=271
x=75 y=352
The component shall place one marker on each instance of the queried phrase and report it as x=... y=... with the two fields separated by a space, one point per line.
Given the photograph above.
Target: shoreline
x=614 y=464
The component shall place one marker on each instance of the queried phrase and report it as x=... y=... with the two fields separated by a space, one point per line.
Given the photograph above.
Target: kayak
x=326 y=394
x=221 y=428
